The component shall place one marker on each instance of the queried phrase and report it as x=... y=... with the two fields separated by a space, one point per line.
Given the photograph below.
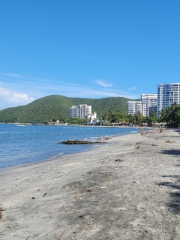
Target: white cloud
x=133 y=88
x=102 y=83
x=74 y=90
x=13 y=75
x=16 y=92
x=14 y=97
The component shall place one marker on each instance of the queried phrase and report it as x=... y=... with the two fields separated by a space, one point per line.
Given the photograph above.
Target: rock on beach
x=80 y=142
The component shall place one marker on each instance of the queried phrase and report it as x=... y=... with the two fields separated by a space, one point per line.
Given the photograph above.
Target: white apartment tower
x=134 y=107
x=80 y=111
x=167 y=95
x=149 y=101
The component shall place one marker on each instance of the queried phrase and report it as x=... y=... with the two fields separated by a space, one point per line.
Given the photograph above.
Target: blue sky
x=87 y=48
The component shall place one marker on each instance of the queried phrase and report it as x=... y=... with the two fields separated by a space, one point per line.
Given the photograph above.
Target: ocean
x=28 y=144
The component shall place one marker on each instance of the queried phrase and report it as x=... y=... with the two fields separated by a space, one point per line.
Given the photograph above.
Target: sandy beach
x=128 y=188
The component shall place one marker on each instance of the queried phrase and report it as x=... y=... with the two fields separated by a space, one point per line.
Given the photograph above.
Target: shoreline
x=127 y=189
x=77 y=125
x=84 y=149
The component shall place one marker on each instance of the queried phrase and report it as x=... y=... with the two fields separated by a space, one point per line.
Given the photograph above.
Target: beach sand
x=128 y=188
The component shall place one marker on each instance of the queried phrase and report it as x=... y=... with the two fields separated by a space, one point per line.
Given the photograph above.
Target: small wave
x=57 y=155
x=134 y=131
x=60 y=154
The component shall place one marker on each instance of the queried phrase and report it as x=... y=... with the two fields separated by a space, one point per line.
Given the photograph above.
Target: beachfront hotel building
x=80 y=111
x=134 y=107
x=167 y=95
x=149 y=102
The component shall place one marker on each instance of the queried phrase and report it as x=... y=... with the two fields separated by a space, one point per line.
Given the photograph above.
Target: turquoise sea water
x=26 y=144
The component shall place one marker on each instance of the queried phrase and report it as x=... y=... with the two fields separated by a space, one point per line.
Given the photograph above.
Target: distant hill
x=51 y=107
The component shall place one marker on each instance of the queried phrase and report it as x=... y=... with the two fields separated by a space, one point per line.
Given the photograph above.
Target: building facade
x=92 y=118
x=149 y=102
x=154 y=109
x=80 y=111
x=134 y=107
x=167 y=95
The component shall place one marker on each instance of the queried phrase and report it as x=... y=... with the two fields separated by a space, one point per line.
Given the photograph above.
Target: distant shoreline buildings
x=83 y=111
x=148 y=103
x=166 y=96
x=134 y=107
x=80 y=111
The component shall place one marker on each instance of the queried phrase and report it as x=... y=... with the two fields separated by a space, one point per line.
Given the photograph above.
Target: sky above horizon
x=87 y=48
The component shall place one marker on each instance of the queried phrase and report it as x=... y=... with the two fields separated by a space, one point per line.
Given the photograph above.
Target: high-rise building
x=134 y=107
x=149 y=102
x=167 y=95
x=80 y=111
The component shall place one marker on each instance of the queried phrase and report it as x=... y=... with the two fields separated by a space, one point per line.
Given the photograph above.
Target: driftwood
x=80 y=142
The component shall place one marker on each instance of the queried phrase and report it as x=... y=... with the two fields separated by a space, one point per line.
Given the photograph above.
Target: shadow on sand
x=174 y=204
x=175 y=152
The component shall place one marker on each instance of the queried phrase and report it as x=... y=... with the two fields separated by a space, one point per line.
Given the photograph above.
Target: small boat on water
x=21 y=125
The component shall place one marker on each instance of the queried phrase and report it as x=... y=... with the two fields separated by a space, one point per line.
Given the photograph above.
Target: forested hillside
x=57 y=106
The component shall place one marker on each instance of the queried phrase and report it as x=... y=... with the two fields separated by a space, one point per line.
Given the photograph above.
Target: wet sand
x=126 y=189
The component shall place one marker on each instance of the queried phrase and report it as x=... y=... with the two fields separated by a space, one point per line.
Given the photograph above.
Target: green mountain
x=54 y=106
